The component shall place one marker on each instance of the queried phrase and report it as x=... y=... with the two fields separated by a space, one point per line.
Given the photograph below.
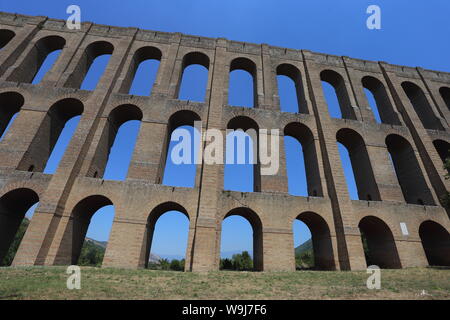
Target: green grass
x=106 y=283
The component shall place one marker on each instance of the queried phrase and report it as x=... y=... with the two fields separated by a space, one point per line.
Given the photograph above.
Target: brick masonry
x=413 y=102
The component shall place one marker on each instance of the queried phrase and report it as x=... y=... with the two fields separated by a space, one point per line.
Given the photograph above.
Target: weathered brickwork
x=414 y=106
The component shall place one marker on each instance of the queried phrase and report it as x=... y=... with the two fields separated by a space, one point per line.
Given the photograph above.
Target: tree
x=242 y=262
x=226 y=264
x=165 y=264
x=176 y=265
x=91 y=254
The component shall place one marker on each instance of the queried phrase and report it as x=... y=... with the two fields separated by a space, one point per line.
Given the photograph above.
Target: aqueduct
x=399 y=210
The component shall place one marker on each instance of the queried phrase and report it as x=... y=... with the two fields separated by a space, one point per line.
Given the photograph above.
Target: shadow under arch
x=153 y=217
x=293 y=73
x=31 y=64
x=251 y=129
x=408 y=171
x=382 y=101
x=338 y=83
x=92 y=51
x=254 y=220
x=117 y=117
x=176 y=120
x=305 y=137
x=10 y=103
x=13 y=207
x=321 y=240
x=249 y=66
x=194 y=58
x=48 y=133
x=379 y=243
x=75 y=234
x=361 y=165
x=436 y=243
x=6 y=36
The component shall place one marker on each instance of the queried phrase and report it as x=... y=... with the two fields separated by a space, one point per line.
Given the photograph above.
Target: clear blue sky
x=414 y=33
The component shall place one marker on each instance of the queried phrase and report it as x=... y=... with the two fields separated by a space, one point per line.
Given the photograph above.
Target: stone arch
x=257 y=227
x=153 y=217
x=10 y=104
x=249 y=66
x=338 y=83
x=321 y=240
x=48 y=133
x=5 y=37
x=92 y=51
x=77 y=228
x=142 y=54
x=421 y=105
x=408 y=171
x=13 y=206
x=117 y=117
x=362 y=168
x=33 y=61
x=436 y=243
x=176 y=120
x=292 y=72
x=304 y=135
x=383 y=103
x=381 y=247
x=251 y=128
x=190 y=59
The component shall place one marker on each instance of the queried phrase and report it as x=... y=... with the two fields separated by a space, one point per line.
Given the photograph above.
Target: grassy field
x=97 y=283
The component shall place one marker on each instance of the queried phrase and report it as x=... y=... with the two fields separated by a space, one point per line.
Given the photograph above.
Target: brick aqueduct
x=399 y=211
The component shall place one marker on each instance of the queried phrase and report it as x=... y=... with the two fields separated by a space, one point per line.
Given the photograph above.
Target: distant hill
x=102 y=245
x=306 y=246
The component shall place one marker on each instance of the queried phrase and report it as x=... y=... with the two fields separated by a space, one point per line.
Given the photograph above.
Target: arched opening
x=379 y=244
x=378 y=99
x=238 y=252
x=315 y=251
x=242 y=170
x=243 y=87
x=290 y=89
x=10 y=104
x=181 y=150
x=445 y=94
x=5 y=37
x=142 y=73
x=116 y=145
x=167 y=237
x=336 y=95
x=31 y=65
x=14 y=205
x=421 y=106
x=81 y=233
x=443 y=149
x=407 y=169
x=87 y=73
x=194 y=77
x=436 y=243
x=52 y=137
x=360 y=165
x=302 y=167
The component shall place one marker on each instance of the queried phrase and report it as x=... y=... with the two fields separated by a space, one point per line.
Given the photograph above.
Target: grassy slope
x=97 y=283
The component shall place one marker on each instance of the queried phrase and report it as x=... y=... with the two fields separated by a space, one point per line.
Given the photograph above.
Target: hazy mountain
x=97 y=243
x=306 y=246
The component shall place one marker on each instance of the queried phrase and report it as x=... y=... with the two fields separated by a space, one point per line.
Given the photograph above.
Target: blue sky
x=414 y=33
